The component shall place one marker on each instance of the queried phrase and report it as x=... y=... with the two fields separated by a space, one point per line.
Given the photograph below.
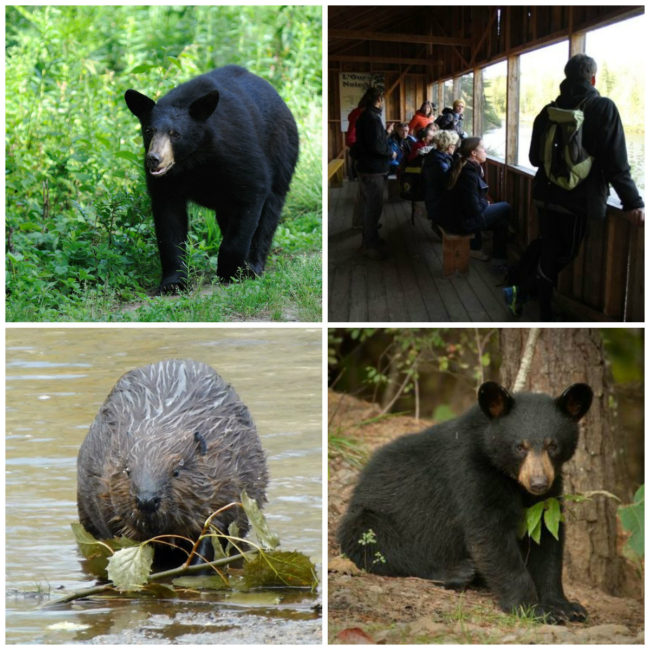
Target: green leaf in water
x=130 y=567
x=280 y=569
x=266 y=538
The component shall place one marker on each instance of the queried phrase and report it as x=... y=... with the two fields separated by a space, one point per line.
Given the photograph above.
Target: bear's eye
x=148 y=132
x=521 y=449
x=552 y=448
x=174 y=135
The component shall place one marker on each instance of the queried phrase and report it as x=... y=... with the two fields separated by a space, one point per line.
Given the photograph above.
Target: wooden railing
x=606 y=281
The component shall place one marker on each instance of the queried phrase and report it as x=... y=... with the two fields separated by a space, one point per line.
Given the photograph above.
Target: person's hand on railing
x=636 y=216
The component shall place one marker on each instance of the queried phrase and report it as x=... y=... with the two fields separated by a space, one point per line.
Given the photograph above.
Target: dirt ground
x=365 y=608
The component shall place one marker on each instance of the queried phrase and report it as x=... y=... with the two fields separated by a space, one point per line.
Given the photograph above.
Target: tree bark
x=563 y=357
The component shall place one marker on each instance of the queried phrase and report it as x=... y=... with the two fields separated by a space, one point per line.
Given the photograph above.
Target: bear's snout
x=160 y=157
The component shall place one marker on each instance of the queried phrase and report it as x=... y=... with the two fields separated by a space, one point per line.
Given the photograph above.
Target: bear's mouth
x=161 y=171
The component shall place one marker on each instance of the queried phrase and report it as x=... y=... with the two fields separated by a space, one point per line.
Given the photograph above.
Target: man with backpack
x=578 y=146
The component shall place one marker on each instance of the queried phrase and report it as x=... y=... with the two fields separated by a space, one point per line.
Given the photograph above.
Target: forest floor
x=365 y=608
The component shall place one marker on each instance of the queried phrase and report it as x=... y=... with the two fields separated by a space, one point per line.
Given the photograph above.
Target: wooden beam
x=512 y=111
x=427 y=39
x=381 y=59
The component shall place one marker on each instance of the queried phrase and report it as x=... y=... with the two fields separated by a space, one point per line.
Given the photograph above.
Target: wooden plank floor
x=408 y=286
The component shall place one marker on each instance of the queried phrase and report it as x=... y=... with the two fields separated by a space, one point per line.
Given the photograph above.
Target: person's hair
x=464 y=152
x=580 y=67
x=404 y=125
x=370 y=97
x=458 y=102
x=444 y=139
x=426 y=108
x=422 y=132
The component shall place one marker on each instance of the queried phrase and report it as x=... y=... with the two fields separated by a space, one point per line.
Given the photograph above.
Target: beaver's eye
x=176 y=473
x=127 y=471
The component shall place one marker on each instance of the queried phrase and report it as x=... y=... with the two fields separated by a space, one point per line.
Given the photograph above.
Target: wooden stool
x=455 y=252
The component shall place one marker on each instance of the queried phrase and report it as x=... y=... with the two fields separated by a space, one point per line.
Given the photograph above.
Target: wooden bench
x=455 y=252
x=335 y=172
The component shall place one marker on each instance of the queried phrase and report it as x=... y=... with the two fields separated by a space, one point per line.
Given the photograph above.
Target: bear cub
x=446 y=504
x=227 y=141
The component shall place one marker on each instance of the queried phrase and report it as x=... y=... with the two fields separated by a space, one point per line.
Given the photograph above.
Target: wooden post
x=512 y=112
x=478 y=101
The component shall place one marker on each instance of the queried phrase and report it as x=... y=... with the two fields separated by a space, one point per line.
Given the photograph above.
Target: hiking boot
x=513 y=299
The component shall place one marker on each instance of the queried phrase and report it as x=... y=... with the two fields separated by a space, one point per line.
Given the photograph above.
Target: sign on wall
x=352 y=85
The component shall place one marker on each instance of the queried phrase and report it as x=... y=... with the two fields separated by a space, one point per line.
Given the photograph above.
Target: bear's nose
x=153 y=160
x=538 y=484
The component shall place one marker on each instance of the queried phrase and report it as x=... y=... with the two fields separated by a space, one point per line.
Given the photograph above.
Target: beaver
x=171 y=444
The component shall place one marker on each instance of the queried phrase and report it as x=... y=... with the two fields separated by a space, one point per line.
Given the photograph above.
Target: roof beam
x=427 y=39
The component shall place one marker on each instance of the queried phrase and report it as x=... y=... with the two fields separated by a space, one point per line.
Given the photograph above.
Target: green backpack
x=566 y=162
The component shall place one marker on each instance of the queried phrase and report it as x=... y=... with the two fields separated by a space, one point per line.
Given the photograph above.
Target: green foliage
x=632 y=519
x=548 y=511
x=80 y=240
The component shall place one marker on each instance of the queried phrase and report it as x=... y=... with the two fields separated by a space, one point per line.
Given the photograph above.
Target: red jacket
x=418 y=122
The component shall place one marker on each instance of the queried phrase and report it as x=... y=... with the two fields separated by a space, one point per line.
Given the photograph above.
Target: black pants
x=561 y=235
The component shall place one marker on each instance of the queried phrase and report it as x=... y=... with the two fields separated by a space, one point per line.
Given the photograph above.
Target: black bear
x=446 y=504
x=226 y=141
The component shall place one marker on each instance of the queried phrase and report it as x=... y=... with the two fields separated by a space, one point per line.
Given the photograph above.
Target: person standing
x=373 y=154
x=564 y=213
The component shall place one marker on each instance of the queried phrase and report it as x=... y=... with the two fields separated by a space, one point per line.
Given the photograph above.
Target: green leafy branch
x=549 y=513
x=128 y=564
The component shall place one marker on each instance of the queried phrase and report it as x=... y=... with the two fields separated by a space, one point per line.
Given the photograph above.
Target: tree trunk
x=563 y=357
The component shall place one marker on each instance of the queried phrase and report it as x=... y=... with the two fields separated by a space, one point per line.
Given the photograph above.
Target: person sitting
x=422 y=117
x=400 y=142
x=470 y=209
x=446 y=121
x=435 y=177
x=424 y=144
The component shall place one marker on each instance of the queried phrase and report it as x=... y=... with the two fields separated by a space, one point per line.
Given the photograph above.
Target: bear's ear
x=575 y=401
x=138 y=103
x=203 y=107
x=495 y=401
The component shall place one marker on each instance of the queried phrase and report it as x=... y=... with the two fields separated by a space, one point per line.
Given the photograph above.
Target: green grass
x=80 y=237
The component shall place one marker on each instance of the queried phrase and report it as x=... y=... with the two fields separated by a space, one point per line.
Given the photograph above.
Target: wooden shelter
x=423 y=52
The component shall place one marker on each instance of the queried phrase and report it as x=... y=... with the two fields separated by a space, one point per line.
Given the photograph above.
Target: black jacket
x=435 y=178
x=604 y=139
x=373 y=153
x=469 y=199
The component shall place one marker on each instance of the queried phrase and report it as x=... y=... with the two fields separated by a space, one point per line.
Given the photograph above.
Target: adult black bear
x=226 y=141
x=445 y=504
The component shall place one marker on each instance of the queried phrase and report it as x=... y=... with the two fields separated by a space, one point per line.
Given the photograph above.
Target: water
x=56 y=379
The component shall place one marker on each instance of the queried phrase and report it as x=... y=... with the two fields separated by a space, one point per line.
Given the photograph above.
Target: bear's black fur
x=446 y=504
x=226 y=141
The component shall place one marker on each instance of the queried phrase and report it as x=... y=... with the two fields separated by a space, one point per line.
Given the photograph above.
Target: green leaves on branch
x=127 y=564
x=548 y=512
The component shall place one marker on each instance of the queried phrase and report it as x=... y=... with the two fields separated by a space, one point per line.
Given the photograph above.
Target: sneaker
x=479 y=255
x=513 y=299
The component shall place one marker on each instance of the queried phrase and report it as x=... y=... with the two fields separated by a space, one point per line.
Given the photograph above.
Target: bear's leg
x=170 y=218
x=238 y=225
x=498 y=560
x=261 y=243
x=544 y=562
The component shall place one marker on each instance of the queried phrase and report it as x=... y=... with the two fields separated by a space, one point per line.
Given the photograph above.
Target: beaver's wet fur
x=171 y=444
